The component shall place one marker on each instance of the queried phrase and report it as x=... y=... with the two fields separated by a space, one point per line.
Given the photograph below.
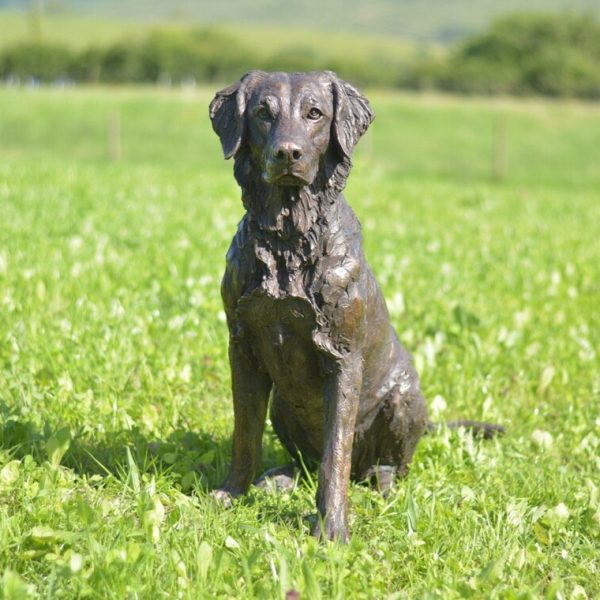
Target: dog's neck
x=286 y=215
x=290 y=225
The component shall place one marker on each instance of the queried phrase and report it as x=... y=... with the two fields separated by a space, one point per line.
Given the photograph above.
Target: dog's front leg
x=250 y=387
x=341 y=399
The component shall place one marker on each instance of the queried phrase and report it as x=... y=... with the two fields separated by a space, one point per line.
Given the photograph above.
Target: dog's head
x=288 y=125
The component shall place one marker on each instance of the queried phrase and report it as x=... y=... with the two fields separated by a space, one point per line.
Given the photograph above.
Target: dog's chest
x=282 y=294
x=277 y=303
x=282 y=329
x=288 y=272
x=274 y=316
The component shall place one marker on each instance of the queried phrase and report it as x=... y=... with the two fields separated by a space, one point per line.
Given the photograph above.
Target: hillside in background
x=421 y=20
x=518 y=54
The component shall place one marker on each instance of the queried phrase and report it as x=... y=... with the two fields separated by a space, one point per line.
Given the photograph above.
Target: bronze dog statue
x=308 y=325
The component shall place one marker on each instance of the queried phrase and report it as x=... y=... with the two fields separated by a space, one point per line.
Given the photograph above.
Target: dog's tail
x=483 y=430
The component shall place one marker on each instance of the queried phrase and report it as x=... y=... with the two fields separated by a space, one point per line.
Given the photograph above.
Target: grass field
x=482 y=224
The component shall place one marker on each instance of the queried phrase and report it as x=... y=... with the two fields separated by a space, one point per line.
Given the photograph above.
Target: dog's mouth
x=287 y=178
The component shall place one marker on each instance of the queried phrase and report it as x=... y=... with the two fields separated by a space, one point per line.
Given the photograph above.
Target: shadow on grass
x=182 y=452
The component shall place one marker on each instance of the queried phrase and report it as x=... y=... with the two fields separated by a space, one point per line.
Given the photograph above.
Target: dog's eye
x=263 y=113
x=314 y=114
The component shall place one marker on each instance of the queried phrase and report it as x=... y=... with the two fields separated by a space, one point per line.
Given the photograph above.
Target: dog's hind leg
x=388 y=446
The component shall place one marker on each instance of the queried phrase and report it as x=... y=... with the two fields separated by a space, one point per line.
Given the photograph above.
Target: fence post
x=499 y=150
x=113 y=138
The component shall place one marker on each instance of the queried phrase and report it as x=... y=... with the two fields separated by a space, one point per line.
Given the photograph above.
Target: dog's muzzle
x=287 y=165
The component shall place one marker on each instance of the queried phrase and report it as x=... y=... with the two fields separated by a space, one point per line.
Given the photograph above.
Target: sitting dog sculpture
x=308 y=325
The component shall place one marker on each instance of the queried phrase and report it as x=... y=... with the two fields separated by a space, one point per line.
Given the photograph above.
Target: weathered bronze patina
x=308 y=324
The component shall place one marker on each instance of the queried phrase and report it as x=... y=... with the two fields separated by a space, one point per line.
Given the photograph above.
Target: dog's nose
x=287 y=152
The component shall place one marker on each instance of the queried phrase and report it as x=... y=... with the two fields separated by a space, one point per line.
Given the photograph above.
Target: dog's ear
x=352 y=115
x=227 y=111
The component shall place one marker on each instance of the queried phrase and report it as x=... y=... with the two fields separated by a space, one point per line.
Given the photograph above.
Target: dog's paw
x=223 y=497
x=331 y=530
x=279 y=479
x=381 y=478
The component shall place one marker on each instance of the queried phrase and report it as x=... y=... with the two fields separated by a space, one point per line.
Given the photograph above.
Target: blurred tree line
x=556 y=55
x=522 y=54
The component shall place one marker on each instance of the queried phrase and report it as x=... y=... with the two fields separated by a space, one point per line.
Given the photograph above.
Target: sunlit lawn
x=482 y=223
